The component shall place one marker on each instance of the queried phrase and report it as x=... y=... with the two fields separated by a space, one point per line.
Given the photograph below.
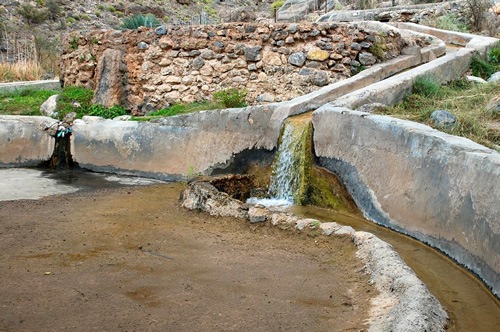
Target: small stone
x=443 y=119
x=253 y=53
x=142 y=45
x=161 y=30
x=198 y=63
x=319 y=78
x=366 y=58
x=306 y=71
x=356 y=46
x=257 y=214
x=495 y=77
x=318 y=54
x=297 y=59
x=265 y=98
x=475 y=79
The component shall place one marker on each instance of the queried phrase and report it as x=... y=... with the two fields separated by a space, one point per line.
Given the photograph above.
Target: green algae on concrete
x=309 y=184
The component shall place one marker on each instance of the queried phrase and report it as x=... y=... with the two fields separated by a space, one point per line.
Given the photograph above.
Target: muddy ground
x=130 y=259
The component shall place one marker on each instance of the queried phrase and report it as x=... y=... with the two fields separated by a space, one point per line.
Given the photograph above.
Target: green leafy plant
x=231 y=97
x=277 y=5
x=481 y=68
x=74 y=99
x=32 y=14
x=73 y=43
x=425 y=86
x=494 y=56
x=105 y=112
x=139 y=20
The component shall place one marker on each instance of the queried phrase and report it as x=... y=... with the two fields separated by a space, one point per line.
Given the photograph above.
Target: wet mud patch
x=131 y=259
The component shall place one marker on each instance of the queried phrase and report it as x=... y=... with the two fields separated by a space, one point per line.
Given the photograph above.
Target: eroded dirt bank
x=132 y=259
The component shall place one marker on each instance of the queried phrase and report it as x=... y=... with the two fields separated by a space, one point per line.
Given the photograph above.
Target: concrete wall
x=439 y=188
x=174 y=147
x=23 y=141
x=30 y=85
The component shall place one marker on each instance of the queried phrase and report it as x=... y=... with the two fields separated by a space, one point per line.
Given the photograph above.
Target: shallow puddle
x=470 y=305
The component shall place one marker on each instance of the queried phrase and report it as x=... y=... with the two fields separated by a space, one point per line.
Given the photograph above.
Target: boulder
x=475 y=79
x=495 y=77
x=319 y=78
x=443 y=119
x=493 y=107
x=366 y=58
x=48 y=108
x=110 y=71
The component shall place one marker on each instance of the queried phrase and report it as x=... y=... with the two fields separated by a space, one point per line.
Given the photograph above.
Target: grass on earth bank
x=466 y=100
x=78 y=99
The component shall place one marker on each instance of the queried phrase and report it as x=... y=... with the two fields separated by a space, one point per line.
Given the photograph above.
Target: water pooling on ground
x=470 y=305
x=33 y=183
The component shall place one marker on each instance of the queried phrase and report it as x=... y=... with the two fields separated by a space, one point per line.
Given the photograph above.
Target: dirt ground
x=130 y=259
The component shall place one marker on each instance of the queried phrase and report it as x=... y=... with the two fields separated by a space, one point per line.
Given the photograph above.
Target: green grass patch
x=464 y=99
x=26 y=102
x=178 y=109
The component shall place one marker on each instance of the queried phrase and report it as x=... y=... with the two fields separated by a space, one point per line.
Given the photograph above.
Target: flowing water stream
x=471 y=306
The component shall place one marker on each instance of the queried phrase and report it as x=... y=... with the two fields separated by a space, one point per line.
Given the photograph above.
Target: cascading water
x=291 y=164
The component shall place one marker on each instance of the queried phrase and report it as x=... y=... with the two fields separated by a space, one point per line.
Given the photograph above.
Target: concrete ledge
x=175 y=147
x=481 y=44
x=23 y=141
x=438 y=188
x=30 y=85
x=392 y=90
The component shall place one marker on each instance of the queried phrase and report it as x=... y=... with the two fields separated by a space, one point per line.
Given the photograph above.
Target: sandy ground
x=130 y=259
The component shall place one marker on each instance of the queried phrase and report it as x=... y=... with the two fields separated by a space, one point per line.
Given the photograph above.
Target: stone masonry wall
x=147 y=69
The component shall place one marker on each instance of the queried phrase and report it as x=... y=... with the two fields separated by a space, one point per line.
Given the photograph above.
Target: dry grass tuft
x=20 y=71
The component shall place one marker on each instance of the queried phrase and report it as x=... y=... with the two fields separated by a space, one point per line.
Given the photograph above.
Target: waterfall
x=292 y=163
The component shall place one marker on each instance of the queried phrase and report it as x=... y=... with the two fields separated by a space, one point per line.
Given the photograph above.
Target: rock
x=48 y=108
x=345 y=230
x=257 y=214
x=69 y=118
x=366 y=58
x=161 y=30
x=142 y=45
x=265 y=98
x=203 y=196
x=284 y=220
x=301 y=224
x=109 y=74
x=317 y=54
x=443 y=119
x=198 y=63
x=493 y=106
x=297 y=59
x=241 y=14
x=328 y=228
x=306 y=71
x=475 y=79
x=253 y=53
x=319 y=78
x=495 y=77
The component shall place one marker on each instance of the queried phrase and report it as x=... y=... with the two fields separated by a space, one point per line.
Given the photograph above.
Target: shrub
x=32 y=14
x=425 y=86
x=481 y=67
x=104 y=112
x=231 y=97
x=139 y=20
x=494 y=56
x=478 y=12
x=71 y=95
x=54 y=9
x=277 y=5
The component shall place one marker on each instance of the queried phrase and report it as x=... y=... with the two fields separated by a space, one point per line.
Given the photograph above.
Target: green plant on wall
x=231 y=97
x=139 y=20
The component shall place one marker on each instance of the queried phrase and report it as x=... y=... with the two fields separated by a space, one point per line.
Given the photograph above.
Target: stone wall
x=439 y=188
x=148 y=69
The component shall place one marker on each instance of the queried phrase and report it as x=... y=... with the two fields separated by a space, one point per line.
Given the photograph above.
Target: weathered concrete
x=394 y=89
x=23 y=141
x=31 y=85
x=175 y=147
x=441 y=189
